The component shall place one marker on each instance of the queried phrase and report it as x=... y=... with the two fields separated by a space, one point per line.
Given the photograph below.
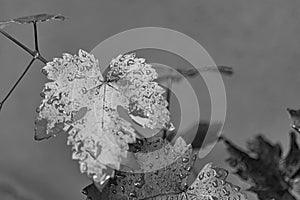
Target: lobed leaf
x=211 y=184
x=83 y=103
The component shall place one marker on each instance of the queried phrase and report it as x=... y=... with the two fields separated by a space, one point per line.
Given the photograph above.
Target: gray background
x=260 y=38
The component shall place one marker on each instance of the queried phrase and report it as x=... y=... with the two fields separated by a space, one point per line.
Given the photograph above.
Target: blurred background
x=259 y=38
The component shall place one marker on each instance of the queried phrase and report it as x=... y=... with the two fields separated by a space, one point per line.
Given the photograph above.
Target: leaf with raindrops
x=169 y=179
x=32 y=19
x=211 y=184
x=168 y=182
x=281 y=174
x=81 y=102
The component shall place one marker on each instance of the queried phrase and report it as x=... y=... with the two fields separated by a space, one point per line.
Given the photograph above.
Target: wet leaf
x=169 y=180
x=83 y=102
x=211 y=184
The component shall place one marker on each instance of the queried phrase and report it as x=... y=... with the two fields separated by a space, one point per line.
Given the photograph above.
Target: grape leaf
x=262 y=167
x=83 y=103
x=169 y=182
x=171 y=179
x=32 y=19
x=211 y=184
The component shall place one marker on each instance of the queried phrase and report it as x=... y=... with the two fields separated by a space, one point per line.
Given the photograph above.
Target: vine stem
x=34 y=53
x=31 y=52
x=17 y=82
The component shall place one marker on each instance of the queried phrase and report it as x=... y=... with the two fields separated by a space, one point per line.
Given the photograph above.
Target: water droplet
x=70 y=78
x=215 y=183
x=194 y=157
x=185 y=160
x=106 y=108
x=83 y=167
x=188 y=168
x=150 y=165
x=236 y=188
x=122 y=189
x=208 y=174
x=167 y=150
x=83 y=90
x=132 y=194
x=191 y=188
x=84 y=192
x=157 y=155
x=171 y=127
x=130 y=62
x=182 y=176
x=225 y=192
x=95 y=177
x=201 y=176
x=139 y=184
x=44 y=72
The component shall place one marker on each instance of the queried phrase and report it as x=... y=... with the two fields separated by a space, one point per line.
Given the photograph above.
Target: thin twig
x=32 y=53
x=35 y=37
x=17 y=82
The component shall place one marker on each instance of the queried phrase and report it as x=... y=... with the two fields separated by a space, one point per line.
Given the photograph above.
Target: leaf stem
x=32 y=53
x=35 y=36
x=17 y=82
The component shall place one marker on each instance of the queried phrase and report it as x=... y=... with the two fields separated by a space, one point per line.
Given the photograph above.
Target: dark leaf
x=32 y=19
x=261 y=168
x=291 y=163
x=190 y=73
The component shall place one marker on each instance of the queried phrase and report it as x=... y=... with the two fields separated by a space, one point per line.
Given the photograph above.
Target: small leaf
x=32 y=19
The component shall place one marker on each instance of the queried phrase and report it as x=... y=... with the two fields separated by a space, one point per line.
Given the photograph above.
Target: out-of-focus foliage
x=86 y=105
x=270 y=175
x=295 y=117
x=190 y=73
